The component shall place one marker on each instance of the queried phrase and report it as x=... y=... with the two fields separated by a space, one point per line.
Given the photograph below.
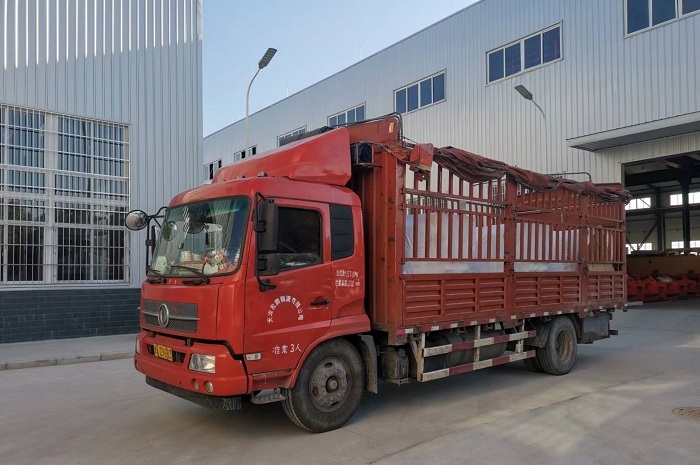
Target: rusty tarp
x=471 y=167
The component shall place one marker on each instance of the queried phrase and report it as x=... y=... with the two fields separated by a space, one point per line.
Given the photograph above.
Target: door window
x=300 y=238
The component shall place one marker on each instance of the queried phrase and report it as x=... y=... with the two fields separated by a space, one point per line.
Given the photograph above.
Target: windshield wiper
x=160 y=277
x=204 y=279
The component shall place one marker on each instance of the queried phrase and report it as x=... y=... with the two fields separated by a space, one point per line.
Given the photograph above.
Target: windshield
x=202 y=238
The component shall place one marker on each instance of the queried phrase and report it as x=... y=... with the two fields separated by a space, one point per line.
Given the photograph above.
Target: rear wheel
x=533 y=365
x=558 y=355
x=328 y=389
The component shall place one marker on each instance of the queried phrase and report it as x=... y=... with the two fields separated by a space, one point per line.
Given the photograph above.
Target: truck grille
x=180 y=317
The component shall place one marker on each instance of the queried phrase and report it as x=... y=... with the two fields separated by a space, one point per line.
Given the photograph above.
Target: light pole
x=527 y=95
x=264 y=61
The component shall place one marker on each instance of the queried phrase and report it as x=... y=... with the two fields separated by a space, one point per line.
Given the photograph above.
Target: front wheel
x=558 y=355
x=328 y=389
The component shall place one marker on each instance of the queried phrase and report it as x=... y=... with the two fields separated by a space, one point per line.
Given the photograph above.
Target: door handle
x=318 y=303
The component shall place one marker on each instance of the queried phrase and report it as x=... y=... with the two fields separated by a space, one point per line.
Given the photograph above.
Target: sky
x=314 y=39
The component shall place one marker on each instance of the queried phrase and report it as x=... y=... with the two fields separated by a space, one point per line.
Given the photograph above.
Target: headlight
x=137 y=349
x=203 y=363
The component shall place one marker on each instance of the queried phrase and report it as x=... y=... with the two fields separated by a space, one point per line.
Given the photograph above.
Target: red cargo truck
x=310 y=273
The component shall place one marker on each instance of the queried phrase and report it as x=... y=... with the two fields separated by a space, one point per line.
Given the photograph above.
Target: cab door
x=281 y=323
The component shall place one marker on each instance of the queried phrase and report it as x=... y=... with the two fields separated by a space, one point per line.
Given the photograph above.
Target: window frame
x=645 y=201
x=418 y=84
x=209 y=170
x=521 y=42
x=678 y=17
x=321 y=237
x=66 y=218
x=345 y=112
x=293 y=132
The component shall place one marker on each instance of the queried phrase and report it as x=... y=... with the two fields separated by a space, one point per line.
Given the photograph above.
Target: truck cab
x=250 y=273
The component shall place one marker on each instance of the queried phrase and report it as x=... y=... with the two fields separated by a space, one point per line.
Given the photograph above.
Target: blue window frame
x=420 y=94
x=529 y=52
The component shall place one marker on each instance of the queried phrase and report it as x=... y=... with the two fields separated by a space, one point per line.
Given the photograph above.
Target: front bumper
x=214 y=402
x=230 y=379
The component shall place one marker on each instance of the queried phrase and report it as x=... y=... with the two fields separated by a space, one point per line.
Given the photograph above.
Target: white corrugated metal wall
x=605 y=80
x=127 y=61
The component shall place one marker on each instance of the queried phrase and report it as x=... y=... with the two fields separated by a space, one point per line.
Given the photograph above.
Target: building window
x=639 y=204
x=644 y=14
x=677 y=199
x=296 y=132
x=681 y=244
x=524 y=54
x=635 y=247
x=420 y=94
x=210 y=169
x=64 y=190
x=241 y=154
x=348 y=116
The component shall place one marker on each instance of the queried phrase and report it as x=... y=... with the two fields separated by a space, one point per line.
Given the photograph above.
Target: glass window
x=420 y=94
x=204 y=237
x=662 y=11
x=496 y=66
x=513 y=59
x=351 y=116
x=88 y=161
x=439 y=87
x=638 y=204
x=296 y=132
x=551 y=45
x=533 y=51
x=360 y=113
x=426 y=92
x=690 y=5
x=299 y=242
x=413 y=97
x=333 y=121
x=637 y=15
x=401 y=101
x=341 y=118
x=342 y=232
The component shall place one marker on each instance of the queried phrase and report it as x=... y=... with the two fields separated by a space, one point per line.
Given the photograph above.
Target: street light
x=527 y=95
x=264 y=61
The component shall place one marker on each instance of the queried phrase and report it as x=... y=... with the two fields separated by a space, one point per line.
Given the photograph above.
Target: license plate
x=164 y=352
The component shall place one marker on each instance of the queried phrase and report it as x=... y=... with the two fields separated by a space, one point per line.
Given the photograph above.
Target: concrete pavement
x=65 y=351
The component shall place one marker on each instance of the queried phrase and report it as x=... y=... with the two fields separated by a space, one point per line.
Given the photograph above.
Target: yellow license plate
x=164 y=352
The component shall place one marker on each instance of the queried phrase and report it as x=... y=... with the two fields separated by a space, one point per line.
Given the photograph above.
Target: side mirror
x=136 y=220
x=269 y=264
x=267 y=226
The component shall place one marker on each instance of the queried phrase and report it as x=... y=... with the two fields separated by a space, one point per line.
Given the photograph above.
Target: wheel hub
x=329 y=385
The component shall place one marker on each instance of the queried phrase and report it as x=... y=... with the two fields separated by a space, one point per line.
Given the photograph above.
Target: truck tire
x=328 y=389
x=558 y=355
x=533 y=364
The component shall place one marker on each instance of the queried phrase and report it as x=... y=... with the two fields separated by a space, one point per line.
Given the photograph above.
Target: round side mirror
x=136 y=220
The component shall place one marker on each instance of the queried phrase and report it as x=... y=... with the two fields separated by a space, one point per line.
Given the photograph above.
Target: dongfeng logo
x=163 y=315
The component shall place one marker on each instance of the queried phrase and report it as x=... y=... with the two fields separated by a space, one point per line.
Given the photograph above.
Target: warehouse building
x=610 y=88
x=100 y=112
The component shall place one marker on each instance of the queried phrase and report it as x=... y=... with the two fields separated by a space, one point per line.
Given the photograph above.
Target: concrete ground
x=615 y=407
